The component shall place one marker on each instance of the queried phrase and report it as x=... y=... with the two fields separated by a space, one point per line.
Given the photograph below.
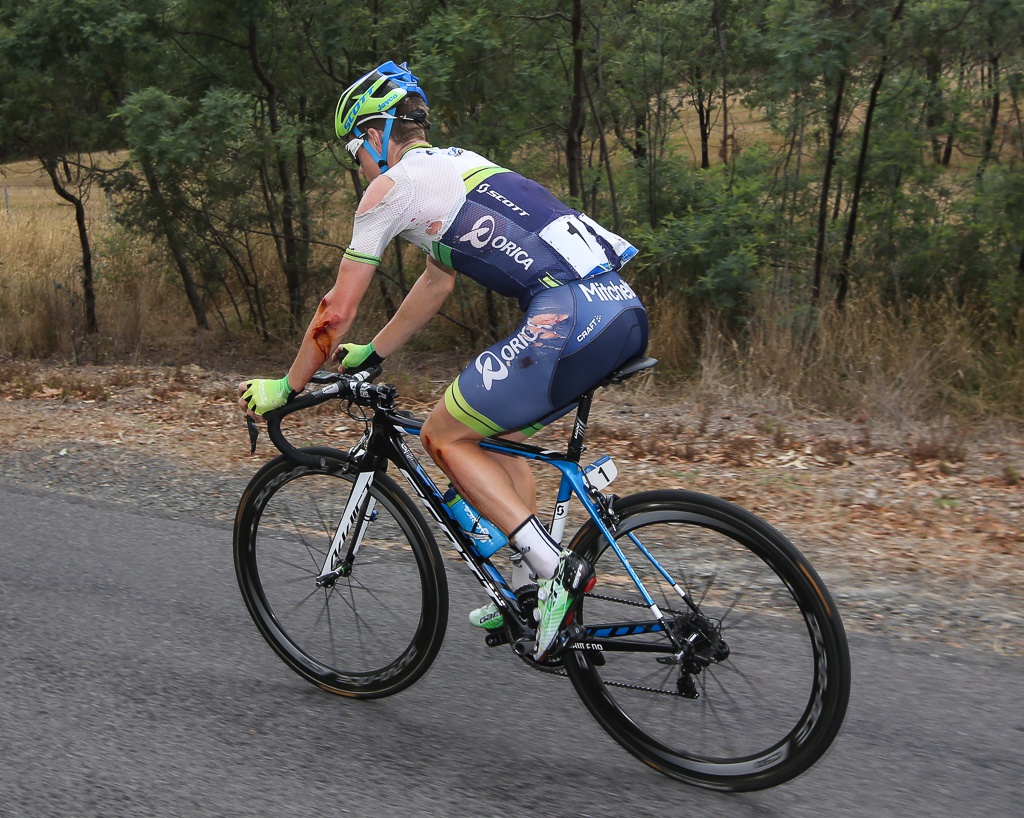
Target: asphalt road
x=133 y=683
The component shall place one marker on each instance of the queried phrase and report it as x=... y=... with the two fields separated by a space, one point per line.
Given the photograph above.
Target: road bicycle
x=709 y=648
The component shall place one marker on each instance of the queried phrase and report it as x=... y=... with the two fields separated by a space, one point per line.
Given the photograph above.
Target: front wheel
x=744 y=683
x=375 y=628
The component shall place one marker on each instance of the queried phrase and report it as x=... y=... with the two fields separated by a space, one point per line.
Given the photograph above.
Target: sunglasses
x=353 y=147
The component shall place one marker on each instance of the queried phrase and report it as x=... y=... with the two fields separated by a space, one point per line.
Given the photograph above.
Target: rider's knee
x=436 y=432
x=429 y=434
x=441 y=430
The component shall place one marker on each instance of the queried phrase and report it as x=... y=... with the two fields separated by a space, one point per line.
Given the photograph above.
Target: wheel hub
x=703 y=646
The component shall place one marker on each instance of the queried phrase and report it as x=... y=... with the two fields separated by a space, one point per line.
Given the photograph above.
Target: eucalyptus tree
x=64 y=68
x=937 y=35
x=816 y=75
x=247 y=67
x=957 y=225
x=884 y=25
x=997 y=39
x=268 y=73
x=648 y=65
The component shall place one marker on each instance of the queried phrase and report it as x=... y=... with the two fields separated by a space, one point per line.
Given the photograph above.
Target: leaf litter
x=918 y=542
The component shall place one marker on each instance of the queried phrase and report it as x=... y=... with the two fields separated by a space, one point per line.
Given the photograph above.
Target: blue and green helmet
x=371 y=97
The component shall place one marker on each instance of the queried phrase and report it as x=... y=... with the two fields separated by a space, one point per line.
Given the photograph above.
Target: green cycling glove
x=358 y=357
x=265 y=394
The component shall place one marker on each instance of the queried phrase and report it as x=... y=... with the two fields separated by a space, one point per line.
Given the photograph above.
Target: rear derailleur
x=703 y=646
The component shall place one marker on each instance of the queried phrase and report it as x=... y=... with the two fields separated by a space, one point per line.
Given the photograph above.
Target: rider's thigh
x=440 y=429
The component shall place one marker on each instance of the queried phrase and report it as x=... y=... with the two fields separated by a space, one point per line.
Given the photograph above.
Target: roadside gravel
x=918 y=531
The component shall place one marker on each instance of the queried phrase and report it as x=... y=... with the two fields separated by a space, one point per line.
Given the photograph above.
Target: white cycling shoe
x=488 y=617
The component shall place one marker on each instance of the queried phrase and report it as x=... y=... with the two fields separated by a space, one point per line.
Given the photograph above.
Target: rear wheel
x=375 y=629
x=753 y=680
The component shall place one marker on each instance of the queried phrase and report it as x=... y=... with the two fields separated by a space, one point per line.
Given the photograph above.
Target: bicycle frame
x=383 y=443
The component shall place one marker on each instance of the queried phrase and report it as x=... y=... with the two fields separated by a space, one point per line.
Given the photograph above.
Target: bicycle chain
x=635 y=604
x=625 y=685
x=616 y=599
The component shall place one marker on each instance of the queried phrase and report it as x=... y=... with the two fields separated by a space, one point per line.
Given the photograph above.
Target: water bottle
x=486 y=536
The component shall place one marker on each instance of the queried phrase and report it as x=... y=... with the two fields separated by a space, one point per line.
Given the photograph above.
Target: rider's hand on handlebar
x=355 y=358
x=260 y=395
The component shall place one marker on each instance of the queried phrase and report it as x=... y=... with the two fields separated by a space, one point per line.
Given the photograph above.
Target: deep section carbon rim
x=370 y=632
x=753 y=687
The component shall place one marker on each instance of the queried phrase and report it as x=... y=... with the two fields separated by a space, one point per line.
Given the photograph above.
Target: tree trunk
x=934 y=119
x=639 y=149
x=988 y=144
x=574 y=137
x=91 y=325
x=1015 y=101
x=290 y=263
x=605 y=155
x=826 y=184
x=304 y=244
x=175 y=246
x=843 y=278
x=716 y=18
x=947 y=153
x=701 y=102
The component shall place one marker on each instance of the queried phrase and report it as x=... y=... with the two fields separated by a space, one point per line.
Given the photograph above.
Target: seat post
x=574 y=451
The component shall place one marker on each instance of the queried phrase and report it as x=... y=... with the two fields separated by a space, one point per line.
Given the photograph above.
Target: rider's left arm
x=421 y=304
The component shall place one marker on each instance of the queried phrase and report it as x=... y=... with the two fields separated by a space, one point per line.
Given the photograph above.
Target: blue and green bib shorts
x=571 y=338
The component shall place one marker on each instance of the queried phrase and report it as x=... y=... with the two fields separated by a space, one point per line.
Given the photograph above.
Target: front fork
x=359 y=512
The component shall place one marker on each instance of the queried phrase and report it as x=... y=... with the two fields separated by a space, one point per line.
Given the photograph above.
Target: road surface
x=133 y=683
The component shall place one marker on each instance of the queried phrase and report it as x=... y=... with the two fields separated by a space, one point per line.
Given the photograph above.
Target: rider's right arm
x=334 y=316
x=379 y=218
x=337 y=309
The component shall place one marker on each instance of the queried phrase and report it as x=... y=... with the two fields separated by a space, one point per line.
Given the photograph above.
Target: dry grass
x=872 y=363
x=41 y=298
x=866 y=362
x=37 y=277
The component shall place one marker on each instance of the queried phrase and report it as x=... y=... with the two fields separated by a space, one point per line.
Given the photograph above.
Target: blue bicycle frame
x=383 y=443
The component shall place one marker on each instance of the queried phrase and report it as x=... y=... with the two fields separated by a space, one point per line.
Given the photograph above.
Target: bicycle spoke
x=297 y=530
x=745 y=673
x=370 y=631
x=304 y=570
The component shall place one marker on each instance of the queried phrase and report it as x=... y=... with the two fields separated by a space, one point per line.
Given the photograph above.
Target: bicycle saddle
x=629 y=369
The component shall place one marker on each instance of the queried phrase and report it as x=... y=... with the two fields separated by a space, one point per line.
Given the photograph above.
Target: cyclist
x=580 y=319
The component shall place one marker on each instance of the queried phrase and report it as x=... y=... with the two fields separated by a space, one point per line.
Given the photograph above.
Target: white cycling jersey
x=505 y=231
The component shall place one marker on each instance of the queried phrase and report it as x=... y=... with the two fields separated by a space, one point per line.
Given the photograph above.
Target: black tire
x=770 y=662
x=377 y=630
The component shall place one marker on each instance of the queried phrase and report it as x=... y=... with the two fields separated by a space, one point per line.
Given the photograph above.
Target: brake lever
x=254 y=433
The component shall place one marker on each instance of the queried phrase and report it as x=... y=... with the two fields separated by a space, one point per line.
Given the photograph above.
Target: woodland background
x=828 y=196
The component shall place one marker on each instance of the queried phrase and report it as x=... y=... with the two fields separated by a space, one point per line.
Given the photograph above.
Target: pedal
x=496 y=638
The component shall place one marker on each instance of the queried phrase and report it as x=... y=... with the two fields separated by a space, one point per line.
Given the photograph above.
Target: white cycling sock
x=540 y=552
x=521 y=573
